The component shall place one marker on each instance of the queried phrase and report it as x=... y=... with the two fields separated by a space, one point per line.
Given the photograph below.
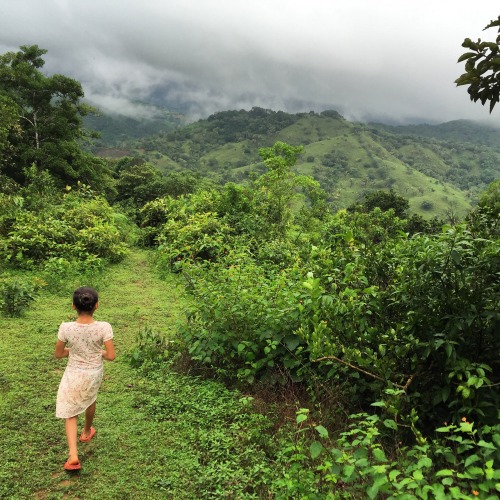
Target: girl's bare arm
x=109 y=353
x=61 y=350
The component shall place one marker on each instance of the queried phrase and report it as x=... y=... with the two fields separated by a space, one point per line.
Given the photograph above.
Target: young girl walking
x=82 y=342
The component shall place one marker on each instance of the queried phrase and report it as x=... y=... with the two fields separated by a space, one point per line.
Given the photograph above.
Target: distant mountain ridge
x=116 y=128
x=439 y=168
x=457 y=130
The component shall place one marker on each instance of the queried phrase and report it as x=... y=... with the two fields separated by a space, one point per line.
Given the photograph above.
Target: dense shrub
x=461 y=462
x=17 y=294
x=354 y=292
x=421 y=313
x=77 y=226
x=243 y=321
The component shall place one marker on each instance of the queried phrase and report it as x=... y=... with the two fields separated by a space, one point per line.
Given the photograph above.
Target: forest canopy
x=42 y=123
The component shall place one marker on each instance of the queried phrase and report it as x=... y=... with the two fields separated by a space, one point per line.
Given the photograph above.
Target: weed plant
x=17 y=293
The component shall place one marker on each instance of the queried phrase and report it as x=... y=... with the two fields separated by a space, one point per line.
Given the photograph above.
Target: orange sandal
x=68 y=466
x=86 y=439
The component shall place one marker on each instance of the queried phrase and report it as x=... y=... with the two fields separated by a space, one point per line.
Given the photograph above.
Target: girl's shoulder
x=67 y=324
x=104 y=329
x=102 y=324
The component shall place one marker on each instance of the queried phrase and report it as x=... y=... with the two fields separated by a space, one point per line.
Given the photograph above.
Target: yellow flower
x=475 y=493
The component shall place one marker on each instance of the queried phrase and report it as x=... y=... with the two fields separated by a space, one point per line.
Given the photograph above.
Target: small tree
x=276 y=190
x=490 y=199
x=140 y=184
x=385 y=201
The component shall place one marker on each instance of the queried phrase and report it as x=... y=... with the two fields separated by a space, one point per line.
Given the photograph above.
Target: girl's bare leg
x=89 y=418
x=71 y=430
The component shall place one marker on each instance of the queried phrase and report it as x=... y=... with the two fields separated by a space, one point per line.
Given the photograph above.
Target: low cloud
x=386 y=60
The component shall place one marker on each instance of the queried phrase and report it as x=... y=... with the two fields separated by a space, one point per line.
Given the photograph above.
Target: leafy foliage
x=490 y=199
x=482 y=69
x=77 y=226
x=386 y=201
x=47 y=128
x=243 y=321
x=419 y=311
x=462 y=463
x=17 y=294
x=351 y=291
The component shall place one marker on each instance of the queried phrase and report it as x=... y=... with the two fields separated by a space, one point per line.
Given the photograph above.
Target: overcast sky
x=371 y=60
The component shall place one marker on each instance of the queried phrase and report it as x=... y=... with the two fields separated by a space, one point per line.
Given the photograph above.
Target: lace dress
x=83 y=375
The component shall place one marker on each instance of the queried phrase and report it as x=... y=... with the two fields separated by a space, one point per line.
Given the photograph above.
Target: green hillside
x=455 y=131
x=441 y=175
x=117 y=130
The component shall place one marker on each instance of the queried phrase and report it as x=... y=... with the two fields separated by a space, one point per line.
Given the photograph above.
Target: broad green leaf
x=465 y=56
x=301 y=418
x=362 y=463
x=470 y=460
x=315 y=449
x=379 y=455
x=292 y=342
x=444 y=472
x=424 y=462
x=393 y=475
x=444 y=429
x=417 y=475
x=449 y=350
x=391 y=424
x=322 y=431
x=485 y=444
x=372 y=491
x=475 y=471
x=439 y=493
x=348 y=471
x=360 y=453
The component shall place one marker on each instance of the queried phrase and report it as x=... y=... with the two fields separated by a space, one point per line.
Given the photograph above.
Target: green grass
x=159 y=434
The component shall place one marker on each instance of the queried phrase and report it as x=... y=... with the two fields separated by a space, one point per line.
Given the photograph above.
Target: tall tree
x=482 y=68
x=8 y=126
x=49 y=121
x=277 y=189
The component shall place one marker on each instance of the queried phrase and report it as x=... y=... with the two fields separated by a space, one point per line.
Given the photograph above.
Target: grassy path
x=148 y=431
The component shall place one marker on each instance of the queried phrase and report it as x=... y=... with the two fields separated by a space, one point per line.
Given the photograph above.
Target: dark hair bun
x=85 y=299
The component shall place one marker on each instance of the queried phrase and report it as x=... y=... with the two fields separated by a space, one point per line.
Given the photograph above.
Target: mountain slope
x=439 y=174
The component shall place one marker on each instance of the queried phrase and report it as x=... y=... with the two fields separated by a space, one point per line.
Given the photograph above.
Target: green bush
x=150 y=347
x=77 y=227
x=417 y=313
x=17 y=294
x=461 y=462
x=243 y=320
x=62 y=276
x=201 y=236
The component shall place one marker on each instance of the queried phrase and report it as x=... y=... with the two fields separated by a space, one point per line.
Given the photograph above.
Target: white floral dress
x=83 y=375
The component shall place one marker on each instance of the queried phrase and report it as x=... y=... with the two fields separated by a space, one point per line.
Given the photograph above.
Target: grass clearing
x=159 y=434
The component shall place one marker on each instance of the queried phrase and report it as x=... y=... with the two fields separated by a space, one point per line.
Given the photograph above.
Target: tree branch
x=357 y=368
